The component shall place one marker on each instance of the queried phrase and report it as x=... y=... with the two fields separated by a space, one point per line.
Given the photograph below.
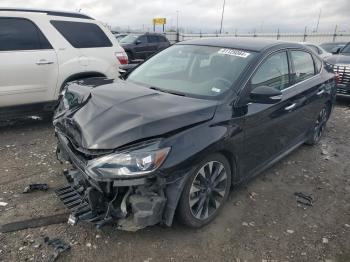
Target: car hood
x=105 y=114
x=339 y=59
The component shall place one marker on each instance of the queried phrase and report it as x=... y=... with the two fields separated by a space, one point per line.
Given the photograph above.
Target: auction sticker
x=233 y=52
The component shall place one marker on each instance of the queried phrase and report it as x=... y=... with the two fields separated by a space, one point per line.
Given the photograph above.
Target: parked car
x=341 y=66
x=40 y=51
x=317 y=49
x=143 y=46
x=119 y=36
x=185 y=127
x=332 y=47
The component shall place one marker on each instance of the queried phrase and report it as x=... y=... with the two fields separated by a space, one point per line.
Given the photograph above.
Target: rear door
x=28 y=63
x=270 y=128
x=163 y=42
x=95 y=51
x=153 y=43
x=309 y=88
x=142 y=47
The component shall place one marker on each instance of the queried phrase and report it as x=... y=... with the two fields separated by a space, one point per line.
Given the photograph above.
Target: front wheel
x=320 y=126
x=205 y=192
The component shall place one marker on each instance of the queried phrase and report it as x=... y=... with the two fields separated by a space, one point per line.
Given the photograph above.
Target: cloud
x=205 y=15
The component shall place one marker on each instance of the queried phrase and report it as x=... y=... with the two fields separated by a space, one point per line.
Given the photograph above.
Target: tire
x=319 y=126
x=198 y=192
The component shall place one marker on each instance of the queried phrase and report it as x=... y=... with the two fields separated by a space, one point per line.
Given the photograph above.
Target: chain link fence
x=317 y=38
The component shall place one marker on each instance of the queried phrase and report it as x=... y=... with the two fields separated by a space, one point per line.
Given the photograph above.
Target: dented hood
x=106 y=114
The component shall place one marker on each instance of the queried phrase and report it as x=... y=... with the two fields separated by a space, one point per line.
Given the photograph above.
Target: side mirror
x=336 y=50
x=137 y=42
x=265 y=95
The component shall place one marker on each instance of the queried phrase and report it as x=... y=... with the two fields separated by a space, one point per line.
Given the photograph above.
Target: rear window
x=82 y=35
x=153 y=39
x=303 y=65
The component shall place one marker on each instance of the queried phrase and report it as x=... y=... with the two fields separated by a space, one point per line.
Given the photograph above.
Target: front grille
x=344 y=74
x=343 y=90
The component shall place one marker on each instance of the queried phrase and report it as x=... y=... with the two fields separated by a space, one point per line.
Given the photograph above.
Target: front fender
x=189 y=148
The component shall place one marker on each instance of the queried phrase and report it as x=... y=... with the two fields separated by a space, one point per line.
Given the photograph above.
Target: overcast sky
x=205 y=15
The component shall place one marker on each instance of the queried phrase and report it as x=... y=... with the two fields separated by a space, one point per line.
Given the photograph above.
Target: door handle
x=44 y=62
x=320 y=92
x=290 y=107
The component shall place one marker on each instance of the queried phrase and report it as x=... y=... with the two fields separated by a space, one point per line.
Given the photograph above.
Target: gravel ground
x=261 y=221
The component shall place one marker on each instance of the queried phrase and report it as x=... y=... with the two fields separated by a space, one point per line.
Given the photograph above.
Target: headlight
x=136 y=162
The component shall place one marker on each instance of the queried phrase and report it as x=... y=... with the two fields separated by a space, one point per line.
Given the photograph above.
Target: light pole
x=177 y=20
x=318 y=20
x=222 y=16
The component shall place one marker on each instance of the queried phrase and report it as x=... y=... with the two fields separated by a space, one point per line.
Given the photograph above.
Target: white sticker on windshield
x=233 y=52
x=216 y=90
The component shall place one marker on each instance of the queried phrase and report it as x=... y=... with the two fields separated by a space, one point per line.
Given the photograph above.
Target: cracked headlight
x=135 y=162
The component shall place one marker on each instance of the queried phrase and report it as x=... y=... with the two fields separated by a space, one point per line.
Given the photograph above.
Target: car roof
x=307 y=43
x=48 y=12
x=252 y=44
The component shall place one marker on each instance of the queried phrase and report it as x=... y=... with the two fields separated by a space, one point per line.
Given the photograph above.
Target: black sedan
x=185 y=127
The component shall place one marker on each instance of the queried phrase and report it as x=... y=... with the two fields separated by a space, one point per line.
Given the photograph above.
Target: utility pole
x=318 y=20
x=222 y=16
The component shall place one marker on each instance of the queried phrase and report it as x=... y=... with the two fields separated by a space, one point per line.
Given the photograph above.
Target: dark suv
x=143 y=46
x=341 y=65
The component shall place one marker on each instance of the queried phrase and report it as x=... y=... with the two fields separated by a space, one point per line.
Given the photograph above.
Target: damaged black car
x=182 y=129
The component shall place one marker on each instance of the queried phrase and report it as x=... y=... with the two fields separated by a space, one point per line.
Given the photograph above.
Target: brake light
x=337 y=78
x=122 y=58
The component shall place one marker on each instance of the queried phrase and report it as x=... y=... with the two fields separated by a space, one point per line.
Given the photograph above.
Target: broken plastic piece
x=32 y=187
x=58 y=245
x=33 y=223
x=72 y=220
x=304 y=199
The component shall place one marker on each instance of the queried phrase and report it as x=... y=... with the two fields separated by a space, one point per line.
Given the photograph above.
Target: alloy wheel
x=208 y=190
x=320 y=124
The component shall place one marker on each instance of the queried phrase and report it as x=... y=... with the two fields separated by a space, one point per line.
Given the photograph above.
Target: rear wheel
x=320 y=126
x=205 y=192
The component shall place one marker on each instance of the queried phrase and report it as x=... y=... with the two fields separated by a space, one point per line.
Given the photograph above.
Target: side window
x=274 y=72
x=82 y=35
x=143 y=39
x=153 y=39
x=303 y=65
x=21 y=34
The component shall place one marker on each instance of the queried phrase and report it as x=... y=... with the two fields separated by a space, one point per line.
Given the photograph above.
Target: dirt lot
x=262 y=221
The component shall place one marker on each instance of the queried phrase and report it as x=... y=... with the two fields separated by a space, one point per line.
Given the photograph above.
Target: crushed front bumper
x=130 y=207
x=131 y=204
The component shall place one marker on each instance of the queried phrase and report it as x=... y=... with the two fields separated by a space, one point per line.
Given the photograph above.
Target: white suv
x=40 y=51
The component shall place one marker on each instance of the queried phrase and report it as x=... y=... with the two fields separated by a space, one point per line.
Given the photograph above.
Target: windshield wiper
x=167 y=91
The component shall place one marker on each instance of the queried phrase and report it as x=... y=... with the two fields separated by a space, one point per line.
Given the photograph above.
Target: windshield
x=192 y=70
x=129 y=39
x=346 y=49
